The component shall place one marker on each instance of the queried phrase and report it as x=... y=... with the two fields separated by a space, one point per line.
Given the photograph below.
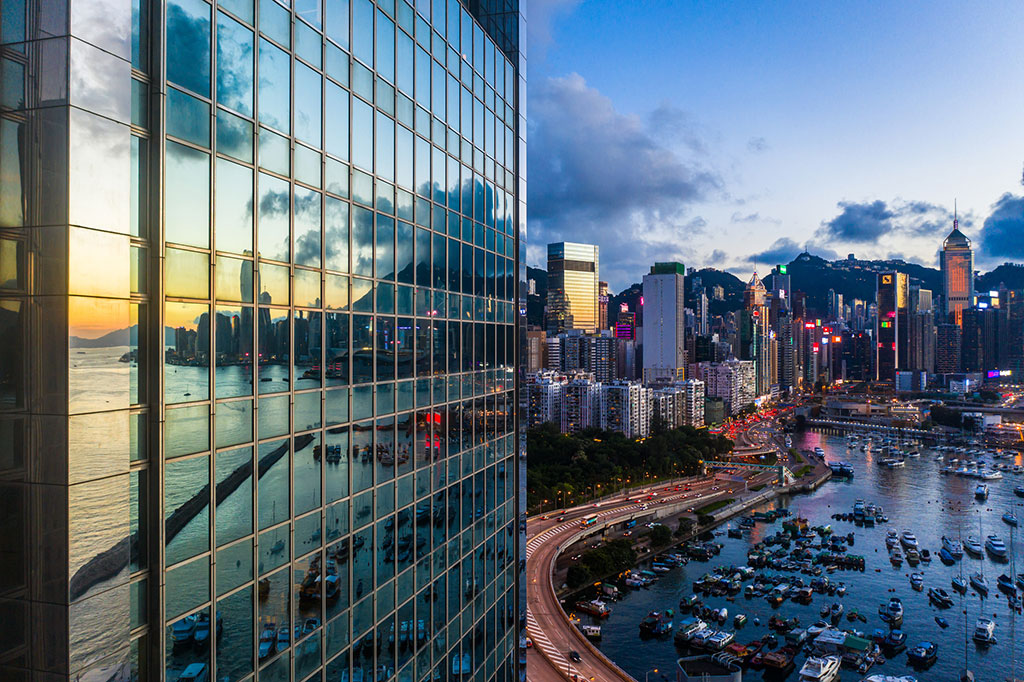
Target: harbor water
x=917 y=497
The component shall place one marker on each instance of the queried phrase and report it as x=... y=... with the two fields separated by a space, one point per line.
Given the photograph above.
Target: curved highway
x=552 y=634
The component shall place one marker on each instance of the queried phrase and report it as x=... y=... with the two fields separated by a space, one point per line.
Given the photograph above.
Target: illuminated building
x=573 y=271
x=956 y=260
x=891 y=326
x=258 y=339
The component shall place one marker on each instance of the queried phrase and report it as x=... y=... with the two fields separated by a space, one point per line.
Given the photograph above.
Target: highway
x=546 y=624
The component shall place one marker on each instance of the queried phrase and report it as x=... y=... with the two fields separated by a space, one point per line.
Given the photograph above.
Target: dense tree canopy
x=596 y=462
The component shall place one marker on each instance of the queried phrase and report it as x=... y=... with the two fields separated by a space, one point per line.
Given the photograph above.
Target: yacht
x=953 y=546
x=917 y=581
x=1010 y=519
x=939 y=597
x=996 y=547
x=823 y=669
x=894 y=610
x=924 y=654
x=973 y=547
x=908 y=540
x=1005 y=584
x=891 y=539
x=981 y=492
x=990 y=476
x=979 y=583
x=985 y=632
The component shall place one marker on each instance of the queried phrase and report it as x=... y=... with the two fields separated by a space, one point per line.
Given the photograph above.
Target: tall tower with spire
x=957 y=264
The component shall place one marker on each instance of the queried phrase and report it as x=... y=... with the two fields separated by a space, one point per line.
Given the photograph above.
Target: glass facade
x=259 y=339
x=573 y=274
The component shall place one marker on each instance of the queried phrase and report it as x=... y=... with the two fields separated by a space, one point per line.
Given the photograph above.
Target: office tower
x=1011 y=330
x=718 y=292
x=835 y=305
x=572 y=287
x=922 y=329
x=956 y=260
x=625 y=328
x=700 y=303
x=536 y=350
x=892 y=297
x=602 y=305
x=664 y=322
x=947 y=348
x=320 y=468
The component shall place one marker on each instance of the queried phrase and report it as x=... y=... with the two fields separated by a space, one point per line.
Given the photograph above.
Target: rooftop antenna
x=955 y=221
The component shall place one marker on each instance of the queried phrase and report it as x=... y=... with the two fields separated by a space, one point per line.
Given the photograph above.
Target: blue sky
x=729 y=134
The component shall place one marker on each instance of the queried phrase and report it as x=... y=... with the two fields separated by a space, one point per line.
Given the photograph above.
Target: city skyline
x=857 y=138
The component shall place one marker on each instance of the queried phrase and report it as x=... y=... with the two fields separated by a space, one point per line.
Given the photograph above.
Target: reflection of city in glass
x=258 y=340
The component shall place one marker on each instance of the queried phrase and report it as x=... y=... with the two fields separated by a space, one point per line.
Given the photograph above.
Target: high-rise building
x=602 y=306
x=626 y=408
x=956 y=260
x=664 y=322
x=573 y=271
x=947 y=348
x=891 y=352
x=320 y=467
x=536 y=350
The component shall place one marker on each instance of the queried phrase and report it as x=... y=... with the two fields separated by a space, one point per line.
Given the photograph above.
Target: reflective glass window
x=307 y=288
x=308 y=165
x=234 y=280
x=273 y=491
x=186 y=505
x=234 y=136
x=385 y=47
x=275 y=22
x=234 y=364
x=336 y=20
x=308 y=44
x=362 y=349
x=362 y=138
x=273 y=216
x=235 y=57
x=362 y=241
x=275 y=152
x=362 y=31
x=336 y=134
x=385 y=248
x=337 y=343
x=187 y=196
x=307 y=227
x=336 y=230
x=308 y=363
x=233 y=226
x=234 y=422
x=188 y=45
x=307 y=457
x=234 y=475
x=274 y=349
x=308 y=101
x=186 y=273
x=274 y=284
x=275 y=85
x=385 y=147
x=187 y=358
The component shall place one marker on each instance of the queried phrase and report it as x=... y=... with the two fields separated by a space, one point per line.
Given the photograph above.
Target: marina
x=841 y=583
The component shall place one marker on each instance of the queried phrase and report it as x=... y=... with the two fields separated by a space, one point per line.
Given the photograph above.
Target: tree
x=577 y=575
x=660 y=536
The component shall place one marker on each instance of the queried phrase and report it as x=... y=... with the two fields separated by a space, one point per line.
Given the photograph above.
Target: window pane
x=186 y=273
x=336 y=134
x=362 y=134
x=385 y=255
x=185 y=481
x=362 y=31
x=307 y=227
x=234 y=136
x=274 y=212
x=274 y=349
x=275 y=87
x=234 y=65
x=187 y=196
x=362 y=241
x=385 y=147
x=307 y=104
x=233 y=375
x=233 y=223
x=188 y=45
x=234 y=512
x=385 y=47
x=186 y=372
x=336 y=234
x=336 y=21
x=275 y=21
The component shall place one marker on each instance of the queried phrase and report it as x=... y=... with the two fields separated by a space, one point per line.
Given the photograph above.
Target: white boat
x=820 y=669
x=908 y=540
x=996 y=547
x=990 y=476
x=985 y=631
x=954 y=547
x=980 y=583
x=719 y=640
x=973 y=546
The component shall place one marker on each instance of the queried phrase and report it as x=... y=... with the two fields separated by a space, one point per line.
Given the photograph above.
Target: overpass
x=785 y=476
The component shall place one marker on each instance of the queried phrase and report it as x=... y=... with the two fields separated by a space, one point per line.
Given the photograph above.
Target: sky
x=735 y=135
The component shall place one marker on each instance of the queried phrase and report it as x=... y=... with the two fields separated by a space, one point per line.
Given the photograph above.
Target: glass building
x=259 y=333
x=573 y=275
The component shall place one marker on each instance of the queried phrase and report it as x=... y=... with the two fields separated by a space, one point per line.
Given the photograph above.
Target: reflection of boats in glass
x=268 y=640
x=183 y=630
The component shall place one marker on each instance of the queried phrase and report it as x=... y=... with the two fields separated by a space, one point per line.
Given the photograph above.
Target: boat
x=719 y=640
x=1005 y=584
x=1019 y=491
x=973 y=547
x=984 y=632
x=201 y=635
x=268 y=640
x=924 y=654
x=892 y=539
x=996 y=547
x=913 y=557
x=940 y=597
x=1009 y=519
x=946 y=558
x=953 y=546
x=895 y=557
x=979 y=583
x=688 y=628
x=926 y=556
x=917 y=581
x=981 y=492
x=820 y=669
x=889 y=678
x=183 y=630
x=959 y=584
x=816 y=628
x=592 y=632
x=895 y=641
x=739 y=621
x=908 y=540
x=594 y=607
x=942 y=622
x=836 y=610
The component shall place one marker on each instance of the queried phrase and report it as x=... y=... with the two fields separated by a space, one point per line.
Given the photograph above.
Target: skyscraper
x=258 y=379
x=573 y=271
x=664 y=322
x=956 y=260
x=891 y=328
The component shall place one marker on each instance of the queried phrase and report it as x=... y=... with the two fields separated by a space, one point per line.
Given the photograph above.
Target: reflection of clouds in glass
x=233 y=225
x=100 y=172
x=99 y=81
x=234 y=65
x=307 y=227
x=275 y=87
x=188 y=44
x=187 y=195
x=362 y=241
x=336 y=234
x=274 y=211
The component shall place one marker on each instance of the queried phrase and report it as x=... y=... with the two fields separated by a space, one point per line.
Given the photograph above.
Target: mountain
x=118 y=337
x=732 y=285
x=1009 y=274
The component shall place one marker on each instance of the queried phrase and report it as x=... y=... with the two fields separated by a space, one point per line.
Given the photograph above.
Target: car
x=560 y=518
x=576 y=557
x=529 y=643
x=627 y=533
x=545 y=517
x=574 y=656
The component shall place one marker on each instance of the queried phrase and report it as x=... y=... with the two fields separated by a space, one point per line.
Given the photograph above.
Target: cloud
x=540 y=16
x=1002 y=233
x=739 y=217
x=756 y=145
x=597 y=175
x=867 y=222
x=782 y=250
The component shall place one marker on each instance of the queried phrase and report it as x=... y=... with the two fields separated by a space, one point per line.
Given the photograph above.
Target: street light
x=648 y=673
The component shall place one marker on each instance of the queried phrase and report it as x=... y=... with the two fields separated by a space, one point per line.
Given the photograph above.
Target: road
x=546 y=624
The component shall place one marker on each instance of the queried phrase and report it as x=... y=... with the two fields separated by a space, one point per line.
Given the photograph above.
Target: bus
x=588 y=521
x=631 y=523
